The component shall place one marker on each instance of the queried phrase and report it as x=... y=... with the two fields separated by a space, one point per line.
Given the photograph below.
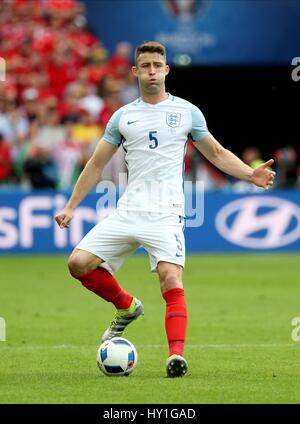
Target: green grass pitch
x=238 y=347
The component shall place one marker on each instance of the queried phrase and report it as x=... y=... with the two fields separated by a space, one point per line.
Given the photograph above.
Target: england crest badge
x=173 y=119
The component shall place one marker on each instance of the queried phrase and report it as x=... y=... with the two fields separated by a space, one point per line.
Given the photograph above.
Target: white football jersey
x=154 y=138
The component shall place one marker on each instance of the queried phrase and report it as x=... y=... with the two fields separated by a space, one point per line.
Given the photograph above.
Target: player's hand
x=64 y=217
x=262 y=176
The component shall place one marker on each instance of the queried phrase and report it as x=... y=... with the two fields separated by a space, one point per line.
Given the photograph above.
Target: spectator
x=286 y=167
x=40 y=168
x=129 y=90
x=13 y=125
x=112 y=102
x=86 y=133
x=51 y=133
x=60 y=71
x=5 y=160
x=69 y=160
x=69 y=110
x=23 y=152
x=97 y=64
x=86 y=93
x=120 y=62
x=252 y=157
x=81 y=84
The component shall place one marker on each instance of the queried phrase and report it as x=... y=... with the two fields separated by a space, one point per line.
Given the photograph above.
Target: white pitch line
x=155 y=346
x=226 y=346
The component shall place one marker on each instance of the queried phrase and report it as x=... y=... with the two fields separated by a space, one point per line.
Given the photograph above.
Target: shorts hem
x=169 y=260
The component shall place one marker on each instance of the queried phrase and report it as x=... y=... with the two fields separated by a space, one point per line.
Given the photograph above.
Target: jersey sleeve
x=199 y=127
x=112 y=134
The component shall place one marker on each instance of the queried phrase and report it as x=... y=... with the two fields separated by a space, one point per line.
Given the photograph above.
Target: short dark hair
x=150 y=47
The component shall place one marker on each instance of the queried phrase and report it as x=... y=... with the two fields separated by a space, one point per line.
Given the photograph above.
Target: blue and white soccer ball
x=117 y=357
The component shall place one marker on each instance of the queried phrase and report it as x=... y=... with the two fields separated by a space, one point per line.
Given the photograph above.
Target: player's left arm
x=229 y=163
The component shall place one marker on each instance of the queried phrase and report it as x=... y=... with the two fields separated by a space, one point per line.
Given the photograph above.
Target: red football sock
x=176 y=320
x=101 y=282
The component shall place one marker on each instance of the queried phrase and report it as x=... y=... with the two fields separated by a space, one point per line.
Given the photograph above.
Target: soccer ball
x=117 y=357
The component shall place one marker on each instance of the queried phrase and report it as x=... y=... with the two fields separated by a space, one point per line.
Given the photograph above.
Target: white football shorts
x=121 y=233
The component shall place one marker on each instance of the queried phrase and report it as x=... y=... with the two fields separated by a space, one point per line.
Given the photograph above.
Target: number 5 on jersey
x=153 y=139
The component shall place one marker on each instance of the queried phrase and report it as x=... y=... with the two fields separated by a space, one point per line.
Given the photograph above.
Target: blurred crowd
x=62 y=87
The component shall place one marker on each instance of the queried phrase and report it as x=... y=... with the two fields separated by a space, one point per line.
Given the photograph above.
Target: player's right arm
x=87 y=180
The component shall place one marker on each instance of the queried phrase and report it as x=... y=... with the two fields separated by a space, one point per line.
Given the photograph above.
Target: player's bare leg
x=170 y=276
x=80 y=262
x=85 y=267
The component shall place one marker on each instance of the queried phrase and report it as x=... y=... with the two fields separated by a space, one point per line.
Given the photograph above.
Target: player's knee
x=81 y=262
x=77 y=266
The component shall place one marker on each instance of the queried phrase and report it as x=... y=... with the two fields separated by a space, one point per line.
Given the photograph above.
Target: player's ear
x=134 y=70
x=167 y=69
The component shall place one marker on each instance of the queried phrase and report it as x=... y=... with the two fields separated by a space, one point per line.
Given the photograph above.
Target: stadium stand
x=61 y=88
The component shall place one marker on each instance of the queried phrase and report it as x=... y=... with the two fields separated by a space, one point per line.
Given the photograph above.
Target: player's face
x=151 y=71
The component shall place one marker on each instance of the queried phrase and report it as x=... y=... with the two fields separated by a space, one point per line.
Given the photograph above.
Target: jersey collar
x=169 y=98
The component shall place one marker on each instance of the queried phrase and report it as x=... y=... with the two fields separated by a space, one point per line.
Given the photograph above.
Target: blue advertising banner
x=216 y=222
x=214 y=32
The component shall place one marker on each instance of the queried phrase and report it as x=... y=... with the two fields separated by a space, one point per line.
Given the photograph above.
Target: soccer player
x=153 y=131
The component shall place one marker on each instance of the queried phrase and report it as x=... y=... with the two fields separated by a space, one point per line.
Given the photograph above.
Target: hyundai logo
x=259 y=222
